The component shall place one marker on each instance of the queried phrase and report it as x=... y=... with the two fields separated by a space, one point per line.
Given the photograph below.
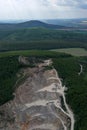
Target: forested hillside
x=41 y=38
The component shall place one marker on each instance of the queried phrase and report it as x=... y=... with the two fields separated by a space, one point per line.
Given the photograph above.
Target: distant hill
x=49 y=24
x=29 y=24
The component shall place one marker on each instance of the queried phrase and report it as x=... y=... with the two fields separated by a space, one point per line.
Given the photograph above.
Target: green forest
x=42 y=39
x=9 y=66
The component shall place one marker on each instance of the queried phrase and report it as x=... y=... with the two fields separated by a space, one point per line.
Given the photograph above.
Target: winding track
x=69 y=112
x=81 y=69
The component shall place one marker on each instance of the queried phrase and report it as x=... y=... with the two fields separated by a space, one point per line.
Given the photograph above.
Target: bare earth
x=37 y=104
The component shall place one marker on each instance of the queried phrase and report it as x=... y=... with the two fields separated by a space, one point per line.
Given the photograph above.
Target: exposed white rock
x=37 y=104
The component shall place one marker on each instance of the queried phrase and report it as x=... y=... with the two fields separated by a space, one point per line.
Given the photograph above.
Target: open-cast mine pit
x=37 y=103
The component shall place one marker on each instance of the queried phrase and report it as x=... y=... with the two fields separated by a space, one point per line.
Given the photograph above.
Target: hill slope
x=41 y=38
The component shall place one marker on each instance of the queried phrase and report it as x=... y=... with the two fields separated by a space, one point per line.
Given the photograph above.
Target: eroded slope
x=37 y=104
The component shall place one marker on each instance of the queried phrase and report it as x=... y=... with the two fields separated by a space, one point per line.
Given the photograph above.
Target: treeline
x=40 y=45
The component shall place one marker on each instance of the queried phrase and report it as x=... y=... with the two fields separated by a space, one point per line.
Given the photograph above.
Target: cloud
x=69 y=3
x=42 y=9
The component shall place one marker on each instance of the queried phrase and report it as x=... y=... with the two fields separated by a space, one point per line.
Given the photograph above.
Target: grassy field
x=36 y=53
x=73 y=51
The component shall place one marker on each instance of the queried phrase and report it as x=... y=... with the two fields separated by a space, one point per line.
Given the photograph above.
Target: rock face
x=37 y=104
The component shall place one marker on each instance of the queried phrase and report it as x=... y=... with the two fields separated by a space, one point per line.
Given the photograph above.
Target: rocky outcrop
x=37 y=103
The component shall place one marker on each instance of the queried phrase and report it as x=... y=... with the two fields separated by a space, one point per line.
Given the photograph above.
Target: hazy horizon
x=51 y=21
x=40 y=9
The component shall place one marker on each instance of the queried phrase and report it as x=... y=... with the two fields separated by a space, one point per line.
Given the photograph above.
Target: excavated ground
x=37 y=104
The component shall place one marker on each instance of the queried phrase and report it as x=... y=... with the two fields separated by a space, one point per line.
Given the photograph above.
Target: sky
x=42 y=9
